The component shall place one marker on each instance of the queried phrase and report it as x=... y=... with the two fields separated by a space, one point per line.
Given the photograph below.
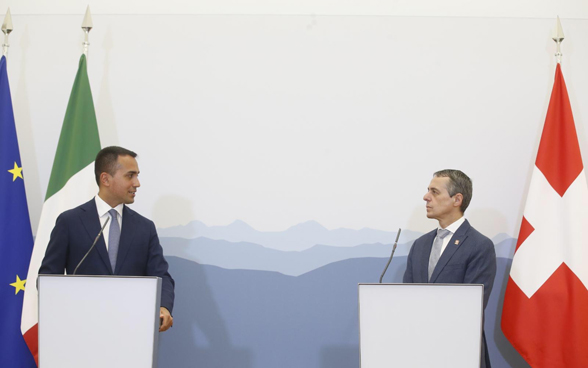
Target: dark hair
x=458 y=183
x=107 y=160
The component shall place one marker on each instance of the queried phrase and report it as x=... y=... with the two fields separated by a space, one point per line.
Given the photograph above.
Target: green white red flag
x=72 y=182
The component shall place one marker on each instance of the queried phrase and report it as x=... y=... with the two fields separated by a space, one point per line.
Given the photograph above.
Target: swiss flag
x=545 y=314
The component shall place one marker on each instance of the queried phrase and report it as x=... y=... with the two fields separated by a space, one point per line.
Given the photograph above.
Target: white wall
x=275 y=114
x=454 y=8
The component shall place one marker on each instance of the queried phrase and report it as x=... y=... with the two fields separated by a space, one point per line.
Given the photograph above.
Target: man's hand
x=165 y=319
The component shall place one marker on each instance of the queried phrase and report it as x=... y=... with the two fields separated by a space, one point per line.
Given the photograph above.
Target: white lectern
x=420 y=325
x=98 y=321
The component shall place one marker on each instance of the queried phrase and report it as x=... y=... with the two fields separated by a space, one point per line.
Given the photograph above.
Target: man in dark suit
x=129 y=245
x=455 y=252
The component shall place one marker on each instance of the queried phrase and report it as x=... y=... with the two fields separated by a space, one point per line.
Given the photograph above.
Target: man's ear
x=457 y=199
x=105 y=179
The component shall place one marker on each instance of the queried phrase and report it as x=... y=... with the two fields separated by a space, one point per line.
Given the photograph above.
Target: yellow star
x=18 y=285
x=16 y=172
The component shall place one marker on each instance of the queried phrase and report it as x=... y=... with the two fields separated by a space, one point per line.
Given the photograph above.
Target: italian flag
x=545 y=313
x=72 y=183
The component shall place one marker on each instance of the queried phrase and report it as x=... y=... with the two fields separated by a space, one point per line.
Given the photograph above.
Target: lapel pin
x=456 y=242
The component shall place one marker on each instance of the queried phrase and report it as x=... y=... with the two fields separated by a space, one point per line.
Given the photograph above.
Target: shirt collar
x=104 y=207
x=454 y=226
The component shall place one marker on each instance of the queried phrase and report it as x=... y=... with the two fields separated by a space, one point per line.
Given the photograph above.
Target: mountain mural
x=249 y=256
x=296 y=238
x=263 y=319
x=252 y=299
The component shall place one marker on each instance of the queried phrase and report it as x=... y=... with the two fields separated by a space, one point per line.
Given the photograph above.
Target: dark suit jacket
x=471 y=261
x=139 y=253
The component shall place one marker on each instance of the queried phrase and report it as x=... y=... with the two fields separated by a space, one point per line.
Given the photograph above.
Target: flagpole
x=558 y=37
x=6 y=29
x=86 y=27
x=545 y=302
x=79 y=142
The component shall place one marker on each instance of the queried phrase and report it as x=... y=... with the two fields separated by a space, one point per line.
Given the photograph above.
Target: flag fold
x=16 y=237
x=71 y=183
x=545 y=312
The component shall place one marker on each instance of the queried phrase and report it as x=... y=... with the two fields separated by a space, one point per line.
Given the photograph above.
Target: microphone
x=391 y=255
x=93 y=244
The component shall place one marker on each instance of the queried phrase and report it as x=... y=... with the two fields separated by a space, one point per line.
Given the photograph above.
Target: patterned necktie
x=436 y=250
x=113 y=238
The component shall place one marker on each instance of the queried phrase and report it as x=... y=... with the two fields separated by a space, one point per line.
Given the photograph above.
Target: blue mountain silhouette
x=249 y=256
x=262 y=319
x=296 y=238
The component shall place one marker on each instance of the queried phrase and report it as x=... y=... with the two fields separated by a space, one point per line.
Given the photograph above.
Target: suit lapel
x=91 y=223
x=456 y=241
x=430 y=237
x=126 y=238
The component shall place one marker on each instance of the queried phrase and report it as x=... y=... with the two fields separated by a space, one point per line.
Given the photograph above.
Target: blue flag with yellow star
x=16 y=237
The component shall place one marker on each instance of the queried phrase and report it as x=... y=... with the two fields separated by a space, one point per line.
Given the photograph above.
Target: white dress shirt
x=103 y=215
x=452 y=229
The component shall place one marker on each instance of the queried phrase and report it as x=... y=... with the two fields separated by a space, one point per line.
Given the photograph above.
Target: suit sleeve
x=158 y=266
x=55 y=260
x=408 y=279
x=482 y=268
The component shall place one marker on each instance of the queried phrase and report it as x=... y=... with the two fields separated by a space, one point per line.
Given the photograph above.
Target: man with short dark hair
x=129 y=245
x=455 y=252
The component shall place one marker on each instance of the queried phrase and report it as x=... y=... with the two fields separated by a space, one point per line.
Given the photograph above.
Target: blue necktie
x=113 y=238
x=436 y=250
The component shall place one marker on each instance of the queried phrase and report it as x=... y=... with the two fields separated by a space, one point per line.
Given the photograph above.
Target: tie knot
x=442 y=233
x=113 y=214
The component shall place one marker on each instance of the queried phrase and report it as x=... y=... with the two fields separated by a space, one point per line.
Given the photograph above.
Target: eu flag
x=16 y=237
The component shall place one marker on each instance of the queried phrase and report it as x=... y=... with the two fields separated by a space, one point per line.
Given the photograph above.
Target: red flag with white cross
x=545 y=313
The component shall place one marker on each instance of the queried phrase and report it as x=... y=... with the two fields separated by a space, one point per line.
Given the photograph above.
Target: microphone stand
x=391 y=255
x=93 y=244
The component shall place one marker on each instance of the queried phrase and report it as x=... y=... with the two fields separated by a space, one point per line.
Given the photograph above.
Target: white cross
x=560 y=235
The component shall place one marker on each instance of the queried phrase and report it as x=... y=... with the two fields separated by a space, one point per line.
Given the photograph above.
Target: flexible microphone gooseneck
x=93 y=244
x=391 y=255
